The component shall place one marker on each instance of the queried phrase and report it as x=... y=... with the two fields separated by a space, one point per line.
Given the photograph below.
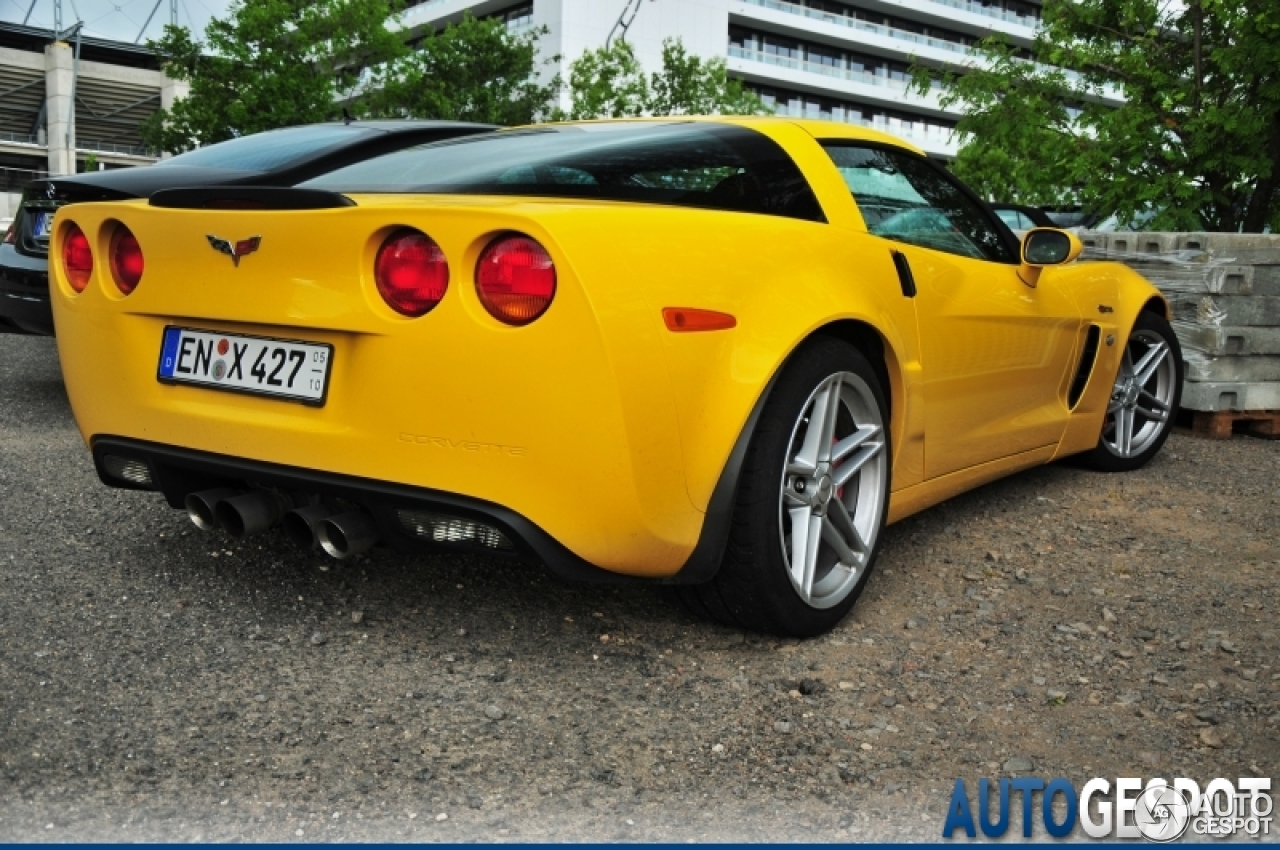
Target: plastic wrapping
x=1225 y=299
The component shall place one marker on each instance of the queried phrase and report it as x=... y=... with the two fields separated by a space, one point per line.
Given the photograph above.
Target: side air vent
x=1087 y=358
x=249 y=198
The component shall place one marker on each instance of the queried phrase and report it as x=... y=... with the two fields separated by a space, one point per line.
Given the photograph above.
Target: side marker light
x=689 y=320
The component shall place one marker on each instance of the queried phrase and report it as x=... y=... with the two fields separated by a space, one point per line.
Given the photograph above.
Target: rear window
x=695 y=165
x=272 y=149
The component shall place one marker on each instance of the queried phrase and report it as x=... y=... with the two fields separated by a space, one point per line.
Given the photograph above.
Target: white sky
x=116 y=19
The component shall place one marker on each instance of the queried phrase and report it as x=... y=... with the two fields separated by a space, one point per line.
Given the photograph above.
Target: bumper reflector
x=127 y=469
x=440 y=528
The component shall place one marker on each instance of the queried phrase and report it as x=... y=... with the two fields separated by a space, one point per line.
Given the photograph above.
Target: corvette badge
x=235 y=252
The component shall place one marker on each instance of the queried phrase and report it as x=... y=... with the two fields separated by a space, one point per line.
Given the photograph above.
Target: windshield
x=271 y=150
x=685 y=164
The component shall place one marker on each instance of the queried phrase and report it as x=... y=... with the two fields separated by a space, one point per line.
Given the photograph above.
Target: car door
x=995 y=352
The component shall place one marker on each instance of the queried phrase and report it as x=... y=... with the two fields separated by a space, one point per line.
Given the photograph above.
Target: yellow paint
x=595 y=422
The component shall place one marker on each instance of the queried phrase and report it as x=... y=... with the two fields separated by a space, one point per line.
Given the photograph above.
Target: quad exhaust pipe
x=243 y=513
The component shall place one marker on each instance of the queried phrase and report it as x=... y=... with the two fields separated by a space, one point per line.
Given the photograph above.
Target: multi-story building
x=841 y=60
x=60 y=107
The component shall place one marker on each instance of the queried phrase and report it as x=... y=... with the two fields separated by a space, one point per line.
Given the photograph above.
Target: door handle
x=905 y=278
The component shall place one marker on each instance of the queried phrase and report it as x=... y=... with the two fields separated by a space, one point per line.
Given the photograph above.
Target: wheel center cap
x=822 y=494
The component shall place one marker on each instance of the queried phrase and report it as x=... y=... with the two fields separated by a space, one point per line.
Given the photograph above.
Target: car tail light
x=126 y=259
x=516 y=279
x=411 y=272
x=77 y=257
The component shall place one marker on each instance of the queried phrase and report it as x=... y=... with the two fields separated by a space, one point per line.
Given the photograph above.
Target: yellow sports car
x=717 y=353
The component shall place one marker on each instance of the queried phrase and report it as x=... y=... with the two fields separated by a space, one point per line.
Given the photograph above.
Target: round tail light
x=411 y=272
x=126 y=259
x=516 y=279
x=77 y=257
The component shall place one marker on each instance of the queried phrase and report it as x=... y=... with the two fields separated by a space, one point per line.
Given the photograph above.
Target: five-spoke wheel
x=1144 y=398
x=812 y=498
x=831 y=493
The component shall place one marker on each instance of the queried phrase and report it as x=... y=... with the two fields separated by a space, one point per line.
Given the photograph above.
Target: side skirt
x=917 y=497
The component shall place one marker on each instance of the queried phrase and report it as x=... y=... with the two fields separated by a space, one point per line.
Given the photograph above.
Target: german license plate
x=279 y=368
x=43 y=225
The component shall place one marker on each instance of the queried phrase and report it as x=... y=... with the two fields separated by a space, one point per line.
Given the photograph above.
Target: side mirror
x=1046 y=246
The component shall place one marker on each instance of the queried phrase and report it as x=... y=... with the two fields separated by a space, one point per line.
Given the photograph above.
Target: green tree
x=475 y=70
x=1165 y=107
x=269 y=64
x=609 y=83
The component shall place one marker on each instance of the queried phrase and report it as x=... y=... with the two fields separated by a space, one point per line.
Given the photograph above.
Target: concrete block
x=1254 y=311
x=1095 y=244
x=1192 y=241
x=1250 y=248
x=1155 y=243
x=1232 y=369
x=1217 y=341
x=1122 y=243
x=1231 y=396
x=1266 y=279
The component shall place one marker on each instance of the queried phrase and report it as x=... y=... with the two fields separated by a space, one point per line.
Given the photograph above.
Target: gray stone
x=494 y=713
x=318 y=639
x=1019 y=764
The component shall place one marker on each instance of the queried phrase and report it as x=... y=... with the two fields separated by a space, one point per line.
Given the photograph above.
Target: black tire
x=1165 y=383
x=754 y=588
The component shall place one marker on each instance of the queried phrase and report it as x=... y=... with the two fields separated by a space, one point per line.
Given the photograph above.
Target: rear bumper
x=24 y=294
x=175 y=472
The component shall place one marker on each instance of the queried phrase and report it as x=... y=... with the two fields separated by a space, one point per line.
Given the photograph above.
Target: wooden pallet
x=1219 y=424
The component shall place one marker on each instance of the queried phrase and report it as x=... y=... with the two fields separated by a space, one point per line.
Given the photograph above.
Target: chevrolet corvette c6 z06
x=718 y=353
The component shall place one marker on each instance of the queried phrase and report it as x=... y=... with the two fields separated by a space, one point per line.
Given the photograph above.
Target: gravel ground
x=161 y=683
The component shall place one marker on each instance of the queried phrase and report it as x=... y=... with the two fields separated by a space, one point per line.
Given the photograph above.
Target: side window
x=904 y=198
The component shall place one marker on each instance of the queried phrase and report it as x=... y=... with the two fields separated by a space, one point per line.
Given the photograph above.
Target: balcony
x=867 y=77
x=863 y=26
x=932 y=138
x=20 y=139
x=95 y=147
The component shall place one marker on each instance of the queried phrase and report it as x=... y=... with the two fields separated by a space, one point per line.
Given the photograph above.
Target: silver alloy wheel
x=832 y=490
x=1142 y=399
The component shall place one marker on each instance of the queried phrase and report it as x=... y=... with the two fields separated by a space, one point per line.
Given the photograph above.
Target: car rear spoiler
x=249 y=198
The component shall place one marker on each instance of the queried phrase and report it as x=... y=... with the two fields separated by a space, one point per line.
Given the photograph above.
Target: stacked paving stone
x=1225 y=292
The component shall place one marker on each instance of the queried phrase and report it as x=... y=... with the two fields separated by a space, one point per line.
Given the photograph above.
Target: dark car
x=1020 y=217
x=274 y=158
